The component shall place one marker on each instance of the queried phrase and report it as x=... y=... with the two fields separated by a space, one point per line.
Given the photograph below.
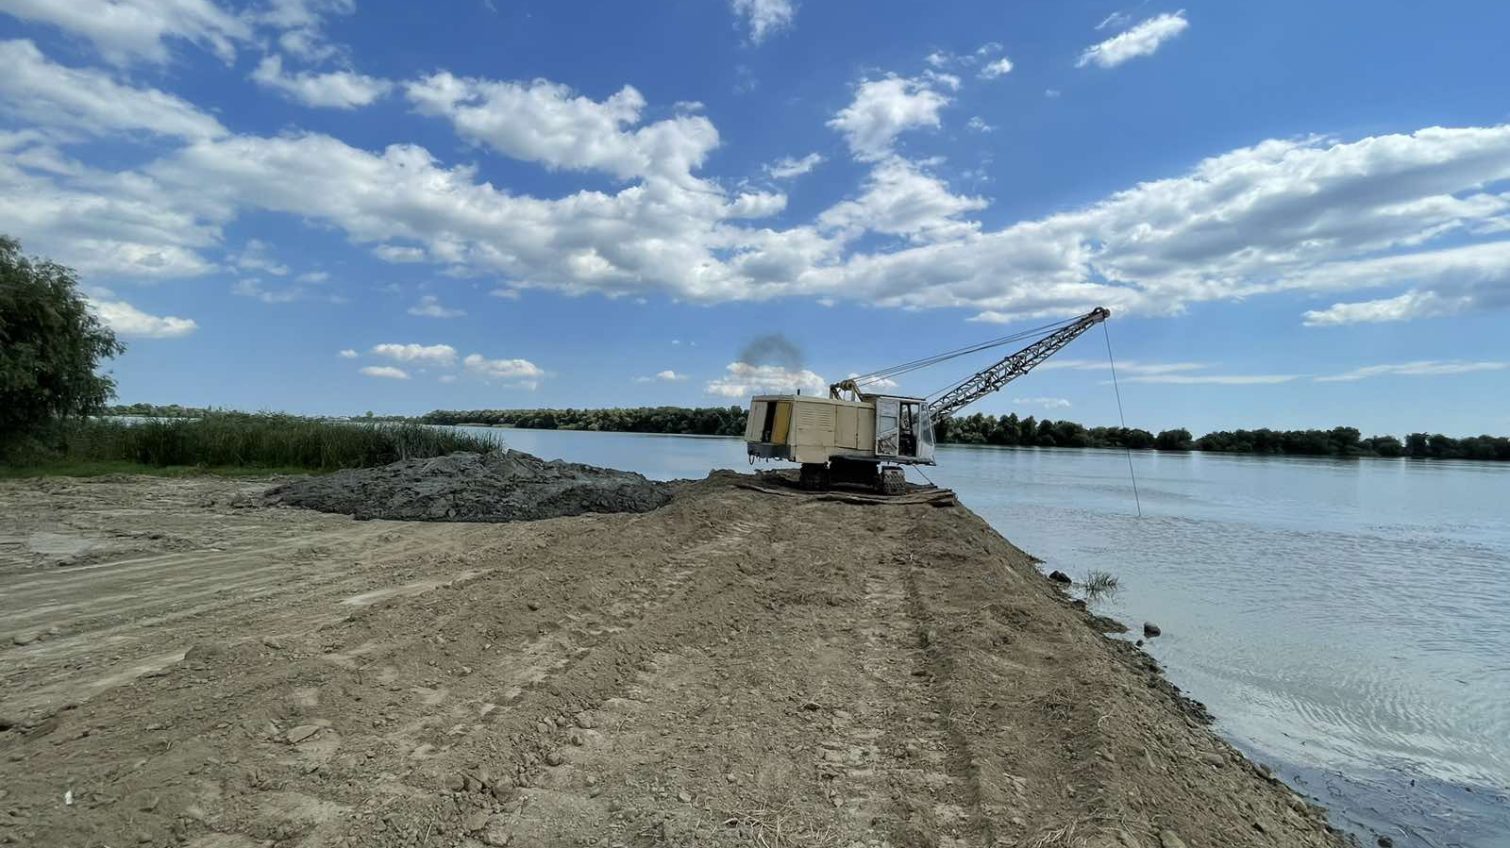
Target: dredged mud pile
x=504 y=486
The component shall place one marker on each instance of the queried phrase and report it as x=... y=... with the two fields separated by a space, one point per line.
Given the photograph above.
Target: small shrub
x=1099 y=584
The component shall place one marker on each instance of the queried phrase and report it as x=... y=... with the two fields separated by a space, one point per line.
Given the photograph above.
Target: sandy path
x=735 y=668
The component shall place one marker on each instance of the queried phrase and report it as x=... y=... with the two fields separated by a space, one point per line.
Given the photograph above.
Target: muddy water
x=1348 y=622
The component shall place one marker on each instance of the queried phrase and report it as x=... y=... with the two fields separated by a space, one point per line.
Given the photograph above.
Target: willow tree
x=51 y=345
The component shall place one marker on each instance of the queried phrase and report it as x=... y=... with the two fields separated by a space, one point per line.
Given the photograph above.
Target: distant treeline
x=1009 y=430
x=152 y=410
x=703 y=421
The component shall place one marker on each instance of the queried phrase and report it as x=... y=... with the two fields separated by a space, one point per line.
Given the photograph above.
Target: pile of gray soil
x=503 y=486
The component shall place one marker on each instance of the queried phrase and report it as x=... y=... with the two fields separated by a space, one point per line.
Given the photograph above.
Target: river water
x=1346 y=621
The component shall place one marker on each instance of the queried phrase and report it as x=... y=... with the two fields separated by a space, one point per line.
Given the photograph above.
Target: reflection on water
x=1345 y=620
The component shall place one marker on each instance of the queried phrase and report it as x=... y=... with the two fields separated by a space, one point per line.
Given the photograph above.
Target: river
x=1346 y=621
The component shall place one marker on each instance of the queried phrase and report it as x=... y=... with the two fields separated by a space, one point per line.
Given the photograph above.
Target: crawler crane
x=856 y=436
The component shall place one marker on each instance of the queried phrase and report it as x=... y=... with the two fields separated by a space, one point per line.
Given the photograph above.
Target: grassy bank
x=229 y=443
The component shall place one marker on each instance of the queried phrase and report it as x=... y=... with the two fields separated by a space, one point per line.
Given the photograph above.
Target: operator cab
x=903 y=429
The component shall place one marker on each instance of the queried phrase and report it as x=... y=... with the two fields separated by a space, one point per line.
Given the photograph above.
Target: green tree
x=1173 y=440
x=50 y=345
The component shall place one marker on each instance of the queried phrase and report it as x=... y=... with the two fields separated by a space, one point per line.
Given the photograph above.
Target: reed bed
x=229 y=440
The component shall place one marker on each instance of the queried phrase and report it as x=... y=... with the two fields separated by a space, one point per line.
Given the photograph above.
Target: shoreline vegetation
x=173 y=437
x=227 y=443
x=1010 y=431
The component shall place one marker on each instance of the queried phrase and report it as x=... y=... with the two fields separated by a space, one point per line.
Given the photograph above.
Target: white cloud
x=1133 y=371
x=387 y=372
x=1142 y=40
x=883 y=109
x=314 y=277
x=302 y=26
x=743 y=379
x=1125 y=367
x=130 y=322
x=252 y=287
x=1214 y=379
x=437 y=354
x=1052 y=93
x=900 y=199
x=519 y=372
x=330 y=90
x=430 y=306
x=1421 y=368
x=876 y=384
x=546 y=122
x=667 y=376
x=999 y=68
x=1309 y=215
x=765 y=16
x=1045 y=402
x=978 y=124
x=128 y=30
x=256 y=255
x=787 y=167
x=348 y=353
x=45 y=94
x=1116 y=20
x=398 y=253
x=1404 y=307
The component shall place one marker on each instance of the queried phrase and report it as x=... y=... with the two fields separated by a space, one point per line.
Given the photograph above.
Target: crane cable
x=1122 y=418
x=927 y=361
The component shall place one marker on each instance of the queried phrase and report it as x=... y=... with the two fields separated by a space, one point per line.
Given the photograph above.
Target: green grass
x=1100 y=584
x=105 y=468
x=230 y=442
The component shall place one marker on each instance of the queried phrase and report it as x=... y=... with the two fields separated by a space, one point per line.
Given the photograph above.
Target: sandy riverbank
x=734 y=668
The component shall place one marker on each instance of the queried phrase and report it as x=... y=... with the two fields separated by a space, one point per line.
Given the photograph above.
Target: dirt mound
x=504 y=486
x=735 y=669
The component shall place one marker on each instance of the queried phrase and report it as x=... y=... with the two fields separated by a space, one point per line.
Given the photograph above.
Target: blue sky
x=1299 y=213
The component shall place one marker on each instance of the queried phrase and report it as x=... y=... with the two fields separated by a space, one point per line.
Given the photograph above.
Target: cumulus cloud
x=329 y=90
x=256 y=255
x=667 y=376
x=139 y=30
x=546 y=122
x=1420 y=368
x=130 y=322
x=1142 y=40
x=787 y=167
x=44 y=93
x=348 y=353
x=883 y=109
x=1045 y=402
x=978 y=124
x=519 y=372
x=430 y=306
x=398 y=253
x=741 y=379
x=436 y=354
x=1312 y=215
x=901 y=199
x=765 y=17
x=387 y=372
x=301 y=25
x=998 y=68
